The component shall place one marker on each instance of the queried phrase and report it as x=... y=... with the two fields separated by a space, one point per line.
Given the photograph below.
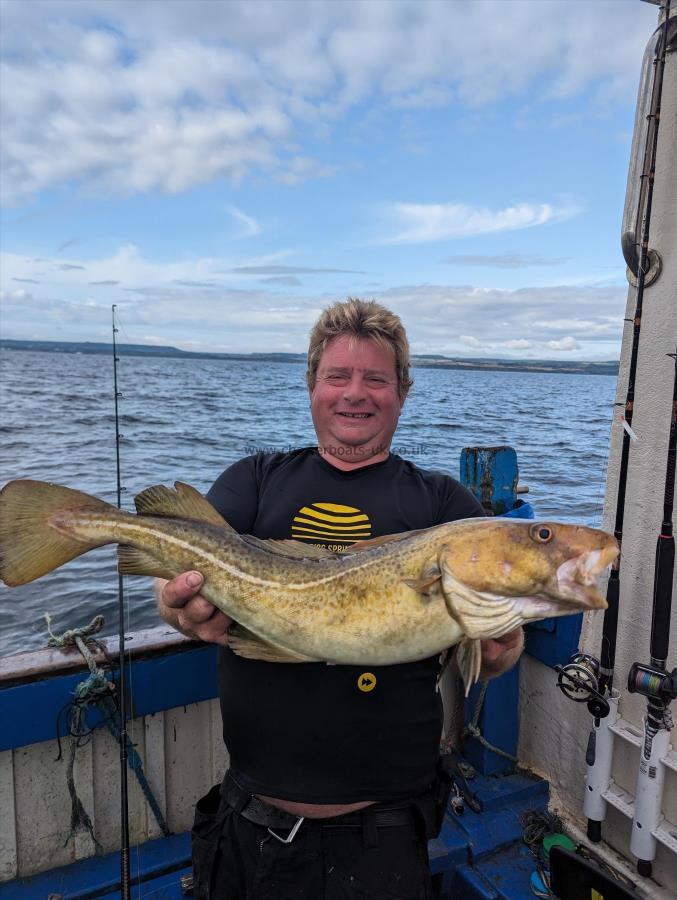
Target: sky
x=223 y=171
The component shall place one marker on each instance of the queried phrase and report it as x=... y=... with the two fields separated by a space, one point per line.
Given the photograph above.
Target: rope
x=537 y=824
x=472 y=728
x=96 y=690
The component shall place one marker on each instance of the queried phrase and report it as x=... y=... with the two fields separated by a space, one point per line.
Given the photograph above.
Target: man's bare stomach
x=315 y=810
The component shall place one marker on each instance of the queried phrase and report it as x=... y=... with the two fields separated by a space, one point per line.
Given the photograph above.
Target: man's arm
x=181 y=605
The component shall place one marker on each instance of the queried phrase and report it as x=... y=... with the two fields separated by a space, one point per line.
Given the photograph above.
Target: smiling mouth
x=347 y=415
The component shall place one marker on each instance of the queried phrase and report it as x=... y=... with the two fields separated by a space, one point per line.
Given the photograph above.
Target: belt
x=261 y=813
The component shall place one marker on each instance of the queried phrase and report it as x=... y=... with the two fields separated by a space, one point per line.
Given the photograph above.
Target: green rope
x=472 y=728
x=96 y=690
x=75 y=636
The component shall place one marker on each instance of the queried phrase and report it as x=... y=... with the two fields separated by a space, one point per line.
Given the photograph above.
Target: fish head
x=516 y=572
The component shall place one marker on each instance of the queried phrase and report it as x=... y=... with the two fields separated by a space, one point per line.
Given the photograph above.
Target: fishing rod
x=653 y=681
x=586 y=678
x=610 y=627
x=125 y=882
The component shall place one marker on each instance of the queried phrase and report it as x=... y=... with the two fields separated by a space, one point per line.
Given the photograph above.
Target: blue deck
x=478 y=856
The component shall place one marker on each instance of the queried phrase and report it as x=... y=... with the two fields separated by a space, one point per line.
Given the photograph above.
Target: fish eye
x=542 y=533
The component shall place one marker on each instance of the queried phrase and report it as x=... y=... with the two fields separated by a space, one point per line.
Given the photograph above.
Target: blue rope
x=96 y=690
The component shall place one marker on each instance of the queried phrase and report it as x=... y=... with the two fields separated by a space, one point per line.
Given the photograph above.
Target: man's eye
x=336 y=379
x=376 y=381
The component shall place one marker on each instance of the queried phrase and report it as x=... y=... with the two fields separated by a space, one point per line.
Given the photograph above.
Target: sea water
x=188 y=419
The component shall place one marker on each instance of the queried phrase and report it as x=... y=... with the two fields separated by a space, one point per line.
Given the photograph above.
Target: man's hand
x=501 y=654
x=182 y=606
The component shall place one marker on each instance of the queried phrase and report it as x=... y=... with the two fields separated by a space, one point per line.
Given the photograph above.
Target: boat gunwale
x=51 y=662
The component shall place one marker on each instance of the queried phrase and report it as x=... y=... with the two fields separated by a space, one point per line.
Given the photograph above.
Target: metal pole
x=122 y=686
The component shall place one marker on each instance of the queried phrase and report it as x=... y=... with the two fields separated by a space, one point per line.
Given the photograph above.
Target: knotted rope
x=472 y=728
x=96 y=690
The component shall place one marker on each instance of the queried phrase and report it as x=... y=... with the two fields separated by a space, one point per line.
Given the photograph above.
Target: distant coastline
x=423 y=361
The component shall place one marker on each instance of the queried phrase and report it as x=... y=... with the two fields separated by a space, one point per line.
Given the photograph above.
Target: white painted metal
x=83 y=768
x=665 y=833
x=106 y=778
x=649 y=796
x=188 y=761
x=220 y=759
x=183 y=756
x=671 y=760
x=648 y=810
x=7 y=817
x=620 y=799
x=598 y=775
x=42 y=809
x=624 y=802
x=155 y=768
x=628 y=732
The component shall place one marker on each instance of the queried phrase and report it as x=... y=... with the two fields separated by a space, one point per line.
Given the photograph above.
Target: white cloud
x=201 y=304
x=115 y=276
x=166 y=96
x=423 y=222
x=15 y=296
x=564 y=344
x=299 y=168
x=528 y=322
x=505 y=260
x=250 y=227
x=470 y=341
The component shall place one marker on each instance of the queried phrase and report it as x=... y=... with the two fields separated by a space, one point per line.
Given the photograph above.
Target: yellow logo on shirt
x=366 y=682
x=330 y=525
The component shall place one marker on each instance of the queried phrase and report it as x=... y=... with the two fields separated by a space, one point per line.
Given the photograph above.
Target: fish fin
x=306 y=551
x=30 y=543
x=480 y=615
x=135 y=561
x=428 y=577
x=180 y=502
x=248 y=645
x=469 y=661
x=371 y=543
x=288 y=548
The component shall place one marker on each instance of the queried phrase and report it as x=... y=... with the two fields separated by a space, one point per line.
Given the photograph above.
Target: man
x=332 y=767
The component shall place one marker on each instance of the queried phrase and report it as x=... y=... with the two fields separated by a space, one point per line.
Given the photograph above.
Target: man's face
x=355 y=402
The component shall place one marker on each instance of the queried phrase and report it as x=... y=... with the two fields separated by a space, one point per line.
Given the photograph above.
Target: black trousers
x=235 y=859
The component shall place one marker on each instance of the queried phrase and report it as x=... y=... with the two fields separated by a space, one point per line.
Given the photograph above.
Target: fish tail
x=32 y=543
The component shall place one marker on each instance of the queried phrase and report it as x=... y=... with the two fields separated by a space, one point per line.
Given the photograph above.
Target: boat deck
x=478 y=856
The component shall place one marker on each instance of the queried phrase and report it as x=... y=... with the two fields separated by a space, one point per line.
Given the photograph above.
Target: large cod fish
x=389 y=600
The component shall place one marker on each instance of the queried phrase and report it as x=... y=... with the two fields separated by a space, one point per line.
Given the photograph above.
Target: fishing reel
x=579 y=681
x=656 y=684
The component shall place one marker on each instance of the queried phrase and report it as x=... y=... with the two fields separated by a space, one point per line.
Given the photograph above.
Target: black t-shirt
x=318 y=733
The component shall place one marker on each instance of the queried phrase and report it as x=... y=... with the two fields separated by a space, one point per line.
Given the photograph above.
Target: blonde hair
x=364 y=319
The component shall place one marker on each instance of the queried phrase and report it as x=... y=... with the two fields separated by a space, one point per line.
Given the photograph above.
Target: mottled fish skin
x=345 y=609
x=394 y=600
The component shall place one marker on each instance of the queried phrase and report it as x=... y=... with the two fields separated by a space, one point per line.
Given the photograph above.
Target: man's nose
x=355 y=390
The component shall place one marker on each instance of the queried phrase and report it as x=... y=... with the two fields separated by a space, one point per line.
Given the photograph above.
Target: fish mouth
x=576 y=579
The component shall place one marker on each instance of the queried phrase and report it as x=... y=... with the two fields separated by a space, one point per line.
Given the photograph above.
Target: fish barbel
x=389 y=600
